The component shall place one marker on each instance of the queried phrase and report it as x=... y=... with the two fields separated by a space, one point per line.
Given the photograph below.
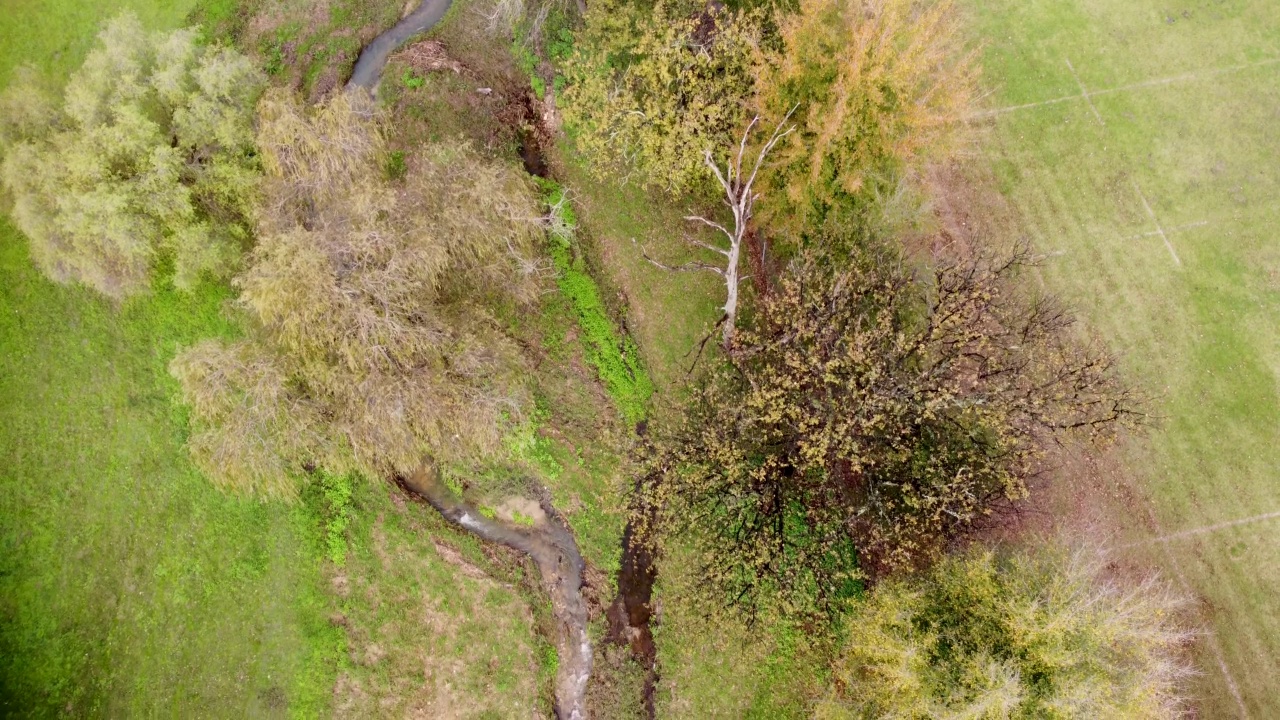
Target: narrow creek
x=373 y=57
x=552 y=548
x=549 y=544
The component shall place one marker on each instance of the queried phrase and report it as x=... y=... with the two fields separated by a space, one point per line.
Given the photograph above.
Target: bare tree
x=741 y=198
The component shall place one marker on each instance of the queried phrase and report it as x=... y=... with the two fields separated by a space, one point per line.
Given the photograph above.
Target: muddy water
x=373 y=57
x=548 y=542
x=554 y=551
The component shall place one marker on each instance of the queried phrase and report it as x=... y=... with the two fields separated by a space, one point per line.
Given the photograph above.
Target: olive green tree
x=878 y=87
x=148 y=158
x=1028 y=636
x=652 y=88
x=866 y=418
x=371 y=302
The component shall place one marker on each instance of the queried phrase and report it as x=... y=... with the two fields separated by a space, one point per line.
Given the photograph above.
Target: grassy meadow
x=1135 y=142
x=130 y=586
x=1156 y=192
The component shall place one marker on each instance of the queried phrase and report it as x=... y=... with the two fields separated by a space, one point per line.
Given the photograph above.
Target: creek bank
x=552 y=548
x=549 y=543
x=631 y=611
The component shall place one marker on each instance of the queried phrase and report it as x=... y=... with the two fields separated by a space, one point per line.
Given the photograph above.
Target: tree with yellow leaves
x=371 y=305
x=1027 y=636
x=651 y=89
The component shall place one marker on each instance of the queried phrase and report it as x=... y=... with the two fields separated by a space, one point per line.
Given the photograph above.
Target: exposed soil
x=428 y=56
x=532 y=136
x=632 y=610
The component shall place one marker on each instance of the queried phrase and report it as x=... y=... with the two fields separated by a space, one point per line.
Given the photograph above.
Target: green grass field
x=55 y=35
x=1136 y=139
x=1159 y=188
x=131 y=587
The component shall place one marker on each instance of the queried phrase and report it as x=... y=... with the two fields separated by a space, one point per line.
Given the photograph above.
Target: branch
x=717 y=226
x=702 y=345
x=711 y=163
x=774 y=139
x=742 y=145
x=686 y=267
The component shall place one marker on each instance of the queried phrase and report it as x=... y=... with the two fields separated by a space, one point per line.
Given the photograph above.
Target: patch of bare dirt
x=454 y=558
x=428 y=56
x=968 y=212
x=521 y=510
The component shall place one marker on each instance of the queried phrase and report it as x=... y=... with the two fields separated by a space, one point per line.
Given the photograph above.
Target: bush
x=867 y=419
x=373 y=343
x=648 y=89
x=150 y=156
x=877 y=88
x=1029 y=637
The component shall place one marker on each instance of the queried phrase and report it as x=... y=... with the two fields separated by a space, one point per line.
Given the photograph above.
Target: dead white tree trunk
x=740 y=198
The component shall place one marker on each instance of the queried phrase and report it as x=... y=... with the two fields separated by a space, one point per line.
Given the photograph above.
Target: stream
x=549 y=544
x=373 y=57
x=552 y=548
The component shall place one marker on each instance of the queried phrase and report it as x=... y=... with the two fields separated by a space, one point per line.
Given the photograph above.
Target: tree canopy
x=148 y=158
x=877 y=87
x=866 y=418
x=650 y=88
x=371 y=300
x=1043 y=636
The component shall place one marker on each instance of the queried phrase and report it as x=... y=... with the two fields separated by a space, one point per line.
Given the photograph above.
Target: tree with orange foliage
x=880 y=86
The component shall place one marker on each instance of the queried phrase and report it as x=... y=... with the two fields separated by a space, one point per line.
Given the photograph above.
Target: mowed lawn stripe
x=1188 y=98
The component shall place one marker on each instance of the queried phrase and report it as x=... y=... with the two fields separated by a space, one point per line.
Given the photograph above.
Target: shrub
x=1042 y=636
x=866 y=419
x=877 y=88
x=370 y=303
x=648 y=89
x=150 y=155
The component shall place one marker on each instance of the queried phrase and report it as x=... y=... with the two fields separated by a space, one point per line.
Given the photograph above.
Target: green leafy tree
x=878 y=87
x=651 y=88
x=865 y=419
x=371 y=301
x=148 y=157
x=1043 y=636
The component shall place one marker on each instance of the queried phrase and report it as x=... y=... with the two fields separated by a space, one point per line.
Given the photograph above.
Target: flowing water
x=554 y=551
x=549 y=543
x=373 y=57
